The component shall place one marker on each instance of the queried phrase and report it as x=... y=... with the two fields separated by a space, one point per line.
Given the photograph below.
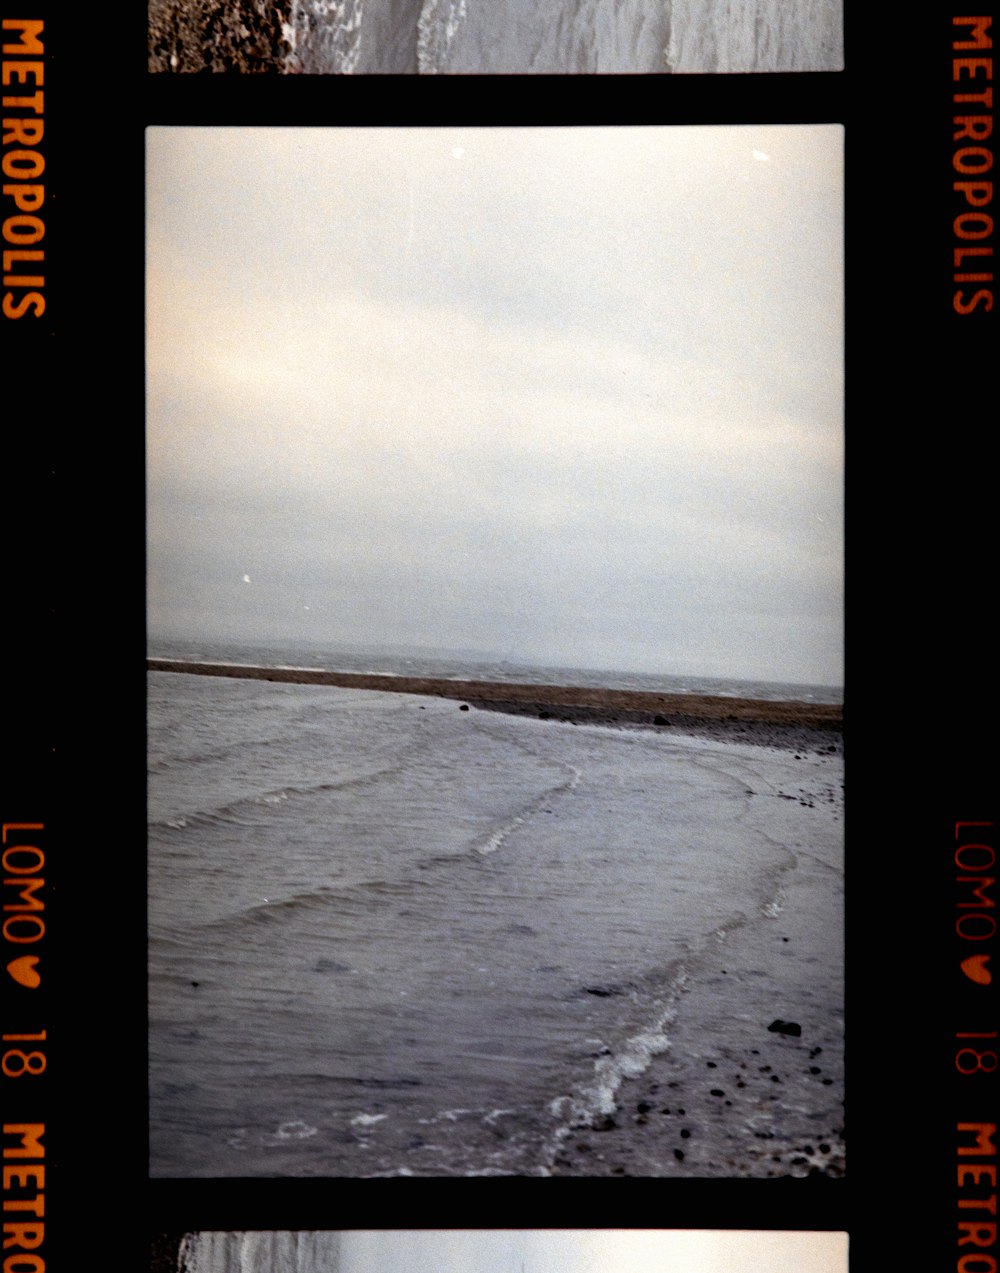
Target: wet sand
x=737 y=1093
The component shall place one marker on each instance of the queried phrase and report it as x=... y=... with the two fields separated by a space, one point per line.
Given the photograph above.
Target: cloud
x=574 y=372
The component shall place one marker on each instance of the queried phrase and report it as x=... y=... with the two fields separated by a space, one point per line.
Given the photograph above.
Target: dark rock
x=785 y=1027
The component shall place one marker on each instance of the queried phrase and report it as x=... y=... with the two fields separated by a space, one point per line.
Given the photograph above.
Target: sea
x=392 y=937
x=263 y=1252
x=432 y=37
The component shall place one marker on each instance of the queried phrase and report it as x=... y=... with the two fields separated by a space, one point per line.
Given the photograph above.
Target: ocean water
x=264 y=1252
x=391 y=937
x=467 y=665
x=564 y=36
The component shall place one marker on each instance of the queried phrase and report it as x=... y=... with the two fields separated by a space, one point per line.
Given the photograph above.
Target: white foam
x=294 y=1130
x=775 y=906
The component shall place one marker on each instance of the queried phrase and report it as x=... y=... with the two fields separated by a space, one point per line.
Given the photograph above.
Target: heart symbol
x=23 y=971
x=975 y=969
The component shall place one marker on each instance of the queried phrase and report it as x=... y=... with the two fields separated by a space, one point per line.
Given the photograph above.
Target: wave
x=350 y=37
x=325 y=37
x=419 y=877
x=437 y=27
x=496 y=839
x=181 y=757
x=234 y=813
x=596 y=1099
x=249 y=1251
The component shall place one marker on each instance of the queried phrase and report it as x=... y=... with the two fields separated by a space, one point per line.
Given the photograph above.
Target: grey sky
x=593 y=1251
x=566 y=395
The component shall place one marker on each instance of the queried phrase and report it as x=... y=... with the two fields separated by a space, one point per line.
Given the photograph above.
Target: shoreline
x=746 y=1085
x=763 y=1100
x=752 y=728
x=751 y=1081
x=759 y=722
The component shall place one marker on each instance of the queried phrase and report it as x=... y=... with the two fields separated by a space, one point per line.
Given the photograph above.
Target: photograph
x=494 y=502
x=503 y=1251
x=476 y=37
x=498 y=662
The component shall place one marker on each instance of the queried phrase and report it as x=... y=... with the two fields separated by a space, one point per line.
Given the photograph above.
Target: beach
x=709 y=1102
x=763 y=722
x=622 y=911
x=735 y=1094
x=461 y=37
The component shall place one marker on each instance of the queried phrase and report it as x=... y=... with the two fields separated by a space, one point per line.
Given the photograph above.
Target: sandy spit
x=731 y=719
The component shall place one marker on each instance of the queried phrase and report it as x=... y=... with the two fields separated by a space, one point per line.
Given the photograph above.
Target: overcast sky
x=594 y=1251
x=569 y=396
x=522 y=1251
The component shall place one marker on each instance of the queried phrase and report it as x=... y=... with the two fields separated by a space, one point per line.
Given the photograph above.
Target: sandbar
x=761 y=722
